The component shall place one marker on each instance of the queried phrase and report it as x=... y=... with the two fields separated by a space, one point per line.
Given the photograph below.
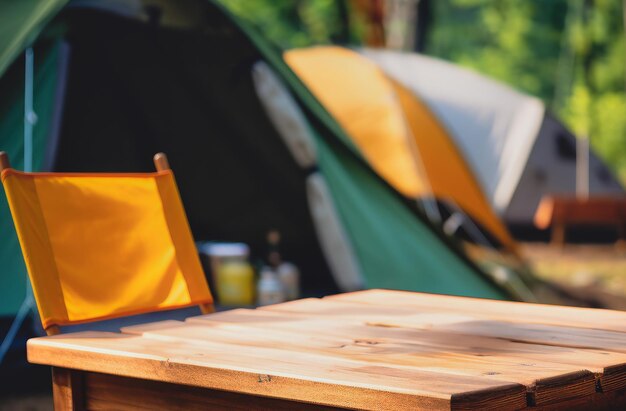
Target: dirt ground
x=580 y=265
x=38 y=402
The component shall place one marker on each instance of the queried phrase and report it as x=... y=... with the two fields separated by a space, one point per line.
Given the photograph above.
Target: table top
x=371 y=349
x=605 y=209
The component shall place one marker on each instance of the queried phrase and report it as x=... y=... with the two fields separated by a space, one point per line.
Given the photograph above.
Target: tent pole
x=429 y=204
x=624 y=28
x=514 y=281
x=30 y=118
x=582 y=167
x=582 y=142
x=22 y=313
x=471 y=227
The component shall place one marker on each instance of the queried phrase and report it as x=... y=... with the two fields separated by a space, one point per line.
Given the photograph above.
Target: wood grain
x=427 y=351
x=615 y=400
x=558 y=212
x=53 y=330
x=160 y=162
x=4 y=161
x=460 y=322
x=492 y=309
x=605 y=363
x=106 y=392
x=272 y=373
x=67 y=389
x=366 y=350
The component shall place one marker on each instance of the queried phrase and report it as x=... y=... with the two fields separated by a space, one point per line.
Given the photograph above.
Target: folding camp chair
x=101 y=246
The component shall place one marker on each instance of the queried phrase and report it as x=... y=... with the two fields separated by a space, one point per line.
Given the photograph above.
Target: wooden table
x=558 y=212
x=372 y=350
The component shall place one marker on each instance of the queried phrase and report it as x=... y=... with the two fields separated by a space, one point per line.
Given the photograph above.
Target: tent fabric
x=295 y=131
x=260 y=184
x=397 y=132
x=129 y=92
x=494 y=125
x=361 y=100
x=54 y=130
x=394 y=249
x=13 y=272
x=129 y=95
x=283 y=110
x=551 y=169
x=449 y=175
x=328 y=130
x=104 y=246
x=332 y=236
x=22 y=21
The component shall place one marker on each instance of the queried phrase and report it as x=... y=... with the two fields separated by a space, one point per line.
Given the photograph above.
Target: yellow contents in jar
x=235 y=283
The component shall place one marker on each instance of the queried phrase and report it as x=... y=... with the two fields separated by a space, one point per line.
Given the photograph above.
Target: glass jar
x=233 y=274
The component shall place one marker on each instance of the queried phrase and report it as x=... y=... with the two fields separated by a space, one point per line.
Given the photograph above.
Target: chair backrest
x=100 y=245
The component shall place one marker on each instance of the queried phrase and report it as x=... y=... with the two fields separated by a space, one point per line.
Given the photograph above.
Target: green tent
x=116 y=82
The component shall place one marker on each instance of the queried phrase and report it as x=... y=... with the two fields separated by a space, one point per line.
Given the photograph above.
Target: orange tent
x=398 y=135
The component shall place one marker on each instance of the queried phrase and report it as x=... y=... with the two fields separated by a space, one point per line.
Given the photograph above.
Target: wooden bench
x=374 y=349
x=559 y=212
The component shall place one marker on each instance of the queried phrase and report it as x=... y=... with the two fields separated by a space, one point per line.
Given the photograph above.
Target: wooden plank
x=466 y=323
x=429 y=350
x=67 y=389
x=615 y=400
x=545 y=382
x=571 y=210
x=352 y=325
x=544 y=214
x=391 y=348
x=609 y=367
x=528 y=333
x=5 y=164
x=493 y=309
x=396 y=354
x=392 y=316
x=106 y=392
x=610 y=376
x=286 y=375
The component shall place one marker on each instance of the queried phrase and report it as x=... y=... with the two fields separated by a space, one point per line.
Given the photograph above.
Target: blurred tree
x=422 y=24
x=570 y=53
x=301 y=23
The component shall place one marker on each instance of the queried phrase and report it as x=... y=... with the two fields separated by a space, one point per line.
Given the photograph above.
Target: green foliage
x=570 y=53
x=300 y=23
x=610 y=131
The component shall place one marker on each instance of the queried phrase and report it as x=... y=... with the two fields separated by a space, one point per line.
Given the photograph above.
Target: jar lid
x=225 y=249
x=267 y=273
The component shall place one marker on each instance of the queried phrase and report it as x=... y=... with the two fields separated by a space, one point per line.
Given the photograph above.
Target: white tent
x=517 y=150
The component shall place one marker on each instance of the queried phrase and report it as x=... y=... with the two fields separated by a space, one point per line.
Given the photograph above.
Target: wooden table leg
x=558 y=233
x=620 y=244
x=67 y=389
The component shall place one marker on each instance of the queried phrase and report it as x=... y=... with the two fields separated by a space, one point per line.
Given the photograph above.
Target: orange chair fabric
x=99 y=246
x=394 y=130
